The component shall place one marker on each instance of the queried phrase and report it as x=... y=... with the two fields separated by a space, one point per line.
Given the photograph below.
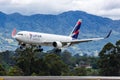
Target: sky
x=105 y=8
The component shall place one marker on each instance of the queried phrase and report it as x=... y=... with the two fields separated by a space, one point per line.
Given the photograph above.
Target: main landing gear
x=22 y=46
x=57 y=50
x=38 y=48
x=33 y=47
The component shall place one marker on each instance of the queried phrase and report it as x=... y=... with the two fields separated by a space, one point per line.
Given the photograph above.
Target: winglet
x=109 y=34
x=13 y=33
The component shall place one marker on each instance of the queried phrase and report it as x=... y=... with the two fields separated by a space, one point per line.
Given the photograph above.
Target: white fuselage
x=40 y=38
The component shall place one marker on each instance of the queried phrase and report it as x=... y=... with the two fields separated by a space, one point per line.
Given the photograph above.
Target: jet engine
x=57 y=44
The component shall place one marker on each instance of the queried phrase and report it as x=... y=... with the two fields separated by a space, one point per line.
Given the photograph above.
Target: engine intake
x=57 y=44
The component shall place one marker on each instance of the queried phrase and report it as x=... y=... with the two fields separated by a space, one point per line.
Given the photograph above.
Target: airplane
x=57 y=41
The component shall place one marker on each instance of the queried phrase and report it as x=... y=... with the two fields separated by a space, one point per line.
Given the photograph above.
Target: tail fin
x=13 y=32
x=74 y=34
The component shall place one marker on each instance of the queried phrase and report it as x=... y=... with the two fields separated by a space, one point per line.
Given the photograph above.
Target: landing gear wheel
x=41 y=49
x=57 y=50
x=38 y=48
x=22 y=46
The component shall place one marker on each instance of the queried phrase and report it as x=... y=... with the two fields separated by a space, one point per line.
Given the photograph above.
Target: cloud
x=105 y=8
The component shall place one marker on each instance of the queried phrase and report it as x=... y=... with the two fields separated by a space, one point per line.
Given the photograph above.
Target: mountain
x=92 y=26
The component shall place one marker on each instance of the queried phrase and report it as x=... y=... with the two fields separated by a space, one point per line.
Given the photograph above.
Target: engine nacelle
x=57 y=44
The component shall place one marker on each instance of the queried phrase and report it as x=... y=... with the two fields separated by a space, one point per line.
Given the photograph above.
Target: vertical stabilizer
x=13 y=32
x=74 y=34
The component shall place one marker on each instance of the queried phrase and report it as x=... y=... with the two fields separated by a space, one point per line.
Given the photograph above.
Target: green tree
x=39 y=67
x=2 y=71
x=118 y=47
x=15 y=71
x=55 y=66
x=26 y=60
x=80 y=71
x=35 y=63
x=92 y=72
x=109 y=60
x=66 y=57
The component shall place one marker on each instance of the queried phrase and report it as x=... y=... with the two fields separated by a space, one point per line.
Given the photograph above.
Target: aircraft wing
x=85 y=40
x=76 y=41
x=90 y=39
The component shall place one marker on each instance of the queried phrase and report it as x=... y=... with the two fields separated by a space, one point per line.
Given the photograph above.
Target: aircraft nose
x=16 y=37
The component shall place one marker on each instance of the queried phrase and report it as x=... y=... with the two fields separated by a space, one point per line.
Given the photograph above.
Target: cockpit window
x=19 y=34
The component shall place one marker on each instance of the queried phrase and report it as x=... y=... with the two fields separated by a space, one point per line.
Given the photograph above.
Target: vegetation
x=31 y=62
x=109 y=62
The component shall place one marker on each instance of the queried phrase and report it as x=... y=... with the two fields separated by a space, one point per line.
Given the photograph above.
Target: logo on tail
x=74 y=34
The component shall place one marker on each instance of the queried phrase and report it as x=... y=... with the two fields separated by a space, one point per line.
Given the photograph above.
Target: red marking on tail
x=76 y=29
